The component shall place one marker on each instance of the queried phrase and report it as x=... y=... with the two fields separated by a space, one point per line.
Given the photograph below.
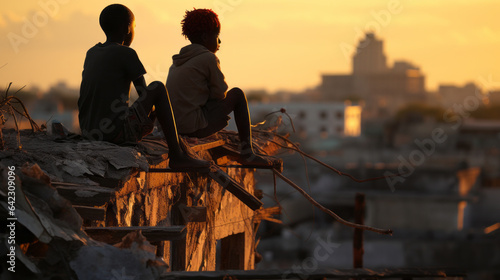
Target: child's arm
x=217 y=83
x=140 y=85
x=142 y=90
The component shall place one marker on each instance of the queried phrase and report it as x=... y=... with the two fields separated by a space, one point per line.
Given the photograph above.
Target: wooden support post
x=359 y=211
x=178 y=247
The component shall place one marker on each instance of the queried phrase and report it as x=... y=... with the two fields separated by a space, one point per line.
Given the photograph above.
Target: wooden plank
x=113 y=235
x=225 y=181
x=178 y=248
x=276 y=164
x=207 y=146
x=91 y=213
x=234 y=155
x=177 y=170
x=316 y=274
x=267 y=213
x=85 y=195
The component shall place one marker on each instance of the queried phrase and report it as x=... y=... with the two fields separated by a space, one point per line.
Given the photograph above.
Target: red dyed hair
x=199 y=21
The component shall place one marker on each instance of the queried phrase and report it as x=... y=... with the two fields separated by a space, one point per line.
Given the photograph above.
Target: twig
x=17 y=128
x=283 y=111
x=297 y=149
x=8 y=100
x=328 y=211
x=7 y=90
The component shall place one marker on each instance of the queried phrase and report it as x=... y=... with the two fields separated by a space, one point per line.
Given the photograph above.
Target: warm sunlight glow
x=288 y=47
x=352 y=121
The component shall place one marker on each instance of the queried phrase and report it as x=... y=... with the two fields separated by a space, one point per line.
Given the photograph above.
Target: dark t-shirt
x=108 y=72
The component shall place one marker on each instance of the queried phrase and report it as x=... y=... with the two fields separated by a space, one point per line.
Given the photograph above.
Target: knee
x=237 y=93
x=156 y=88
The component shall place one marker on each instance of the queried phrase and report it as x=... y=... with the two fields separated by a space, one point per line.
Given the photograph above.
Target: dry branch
x=328 y=211
x=6 y=106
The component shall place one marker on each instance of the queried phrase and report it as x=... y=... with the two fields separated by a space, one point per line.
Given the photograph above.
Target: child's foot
x=186 y=162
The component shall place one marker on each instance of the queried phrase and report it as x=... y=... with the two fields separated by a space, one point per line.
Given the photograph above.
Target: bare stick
x=297 y=149
x=328 y=211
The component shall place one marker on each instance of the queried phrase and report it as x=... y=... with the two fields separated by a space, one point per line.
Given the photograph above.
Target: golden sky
x=266 y=44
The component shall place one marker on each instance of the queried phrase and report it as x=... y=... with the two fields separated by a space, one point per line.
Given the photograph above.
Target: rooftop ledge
x=93 y=163
x=129 y=193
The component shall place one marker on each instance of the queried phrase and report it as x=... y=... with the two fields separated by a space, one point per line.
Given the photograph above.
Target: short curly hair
x=199 y=21
x=114 y=16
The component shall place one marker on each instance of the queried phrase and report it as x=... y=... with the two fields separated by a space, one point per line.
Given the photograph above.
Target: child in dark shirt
x=108 y=72
x=198 y=90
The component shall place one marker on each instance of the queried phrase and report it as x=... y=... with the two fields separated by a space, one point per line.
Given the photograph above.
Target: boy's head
x=117 y=21
x=202 y=26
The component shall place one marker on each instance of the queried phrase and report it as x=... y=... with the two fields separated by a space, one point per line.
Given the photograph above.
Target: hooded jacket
x=194 y=78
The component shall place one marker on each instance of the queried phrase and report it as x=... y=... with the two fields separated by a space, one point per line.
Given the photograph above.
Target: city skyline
x=269 y=45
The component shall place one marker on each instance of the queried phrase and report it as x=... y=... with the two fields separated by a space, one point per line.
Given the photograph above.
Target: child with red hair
x=198 y=91
x=108 y=72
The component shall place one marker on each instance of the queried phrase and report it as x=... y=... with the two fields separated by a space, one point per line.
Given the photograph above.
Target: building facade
x=382 y=89
x=327 y=119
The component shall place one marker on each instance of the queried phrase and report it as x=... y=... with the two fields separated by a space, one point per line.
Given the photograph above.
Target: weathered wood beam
x=113 y=235
x=225 y=181
x=179 y=246
x=233 y=155
x=179 y=170
x=266 y=214
x=316 y=274
x=274 y=165
x=207 y=146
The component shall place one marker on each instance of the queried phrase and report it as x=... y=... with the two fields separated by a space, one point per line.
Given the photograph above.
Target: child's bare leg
x=243 y=122
x=156 y=94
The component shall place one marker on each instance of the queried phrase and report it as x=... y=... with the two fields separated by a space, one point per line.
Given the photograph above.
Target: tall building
x=369 y=57
x=382 y=89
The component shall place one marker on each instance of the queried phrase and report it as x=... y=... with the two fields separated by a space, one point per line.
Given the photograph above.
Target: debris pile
x=45 y=240
x=49 y=242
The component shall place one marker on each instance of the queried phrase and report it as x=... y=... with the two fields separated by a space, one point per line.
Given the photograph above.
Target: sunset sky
x=271 y=44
